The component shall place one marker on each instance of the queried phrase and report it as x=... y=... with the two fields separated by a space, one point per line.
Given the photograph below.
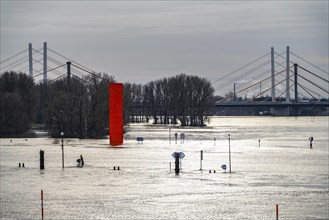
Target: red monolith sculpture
x=116 y=113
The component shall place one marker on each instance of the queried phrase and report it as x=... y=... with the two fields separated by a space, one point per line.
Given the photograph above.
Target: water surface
x=282 y=170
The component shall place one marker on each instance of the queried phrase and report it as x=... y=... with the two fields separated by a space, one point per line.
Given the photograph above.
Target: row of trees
x=18 y=99
x=79 y=106
x=182 y=97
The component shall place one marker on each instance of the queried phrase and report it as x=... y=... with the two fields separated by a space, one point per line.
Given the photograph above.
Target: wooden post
x=177 y=164
x=42 y=160
x=82 y=162
x=311 y=139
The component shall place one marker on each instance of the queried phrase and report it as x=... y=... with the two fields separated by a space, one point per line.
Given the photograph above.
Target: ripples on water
x=283 y=170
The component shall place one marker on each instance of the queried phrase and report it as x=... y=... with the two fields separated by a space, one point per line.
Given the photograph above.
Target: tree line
x=79 y=106
x=182 y=98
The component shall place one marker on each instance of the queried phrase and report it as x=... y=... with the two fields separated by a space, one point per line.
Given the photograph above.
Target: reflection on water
x=271 y=163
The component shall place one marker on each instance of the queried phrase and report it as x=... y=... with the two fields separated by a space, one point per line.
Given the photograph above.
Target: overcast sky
x=139 y=41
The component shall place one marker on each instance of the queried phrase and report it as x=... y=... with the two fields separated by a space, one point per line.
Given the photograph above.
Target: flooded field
x=272 y=163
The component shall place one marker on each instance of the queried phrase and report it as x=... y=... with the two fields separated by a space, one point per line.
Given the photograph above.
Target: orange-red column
x=116 y=113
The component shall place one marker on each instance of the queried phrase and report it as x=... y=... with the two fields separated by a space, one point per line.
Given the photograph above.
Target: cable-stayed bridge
x=274 y=83
x=277 y=80
x=44 y=64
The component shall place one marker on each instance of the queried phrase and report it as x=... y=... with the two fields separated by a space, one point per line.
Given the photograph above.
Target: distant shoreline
x=39 y=133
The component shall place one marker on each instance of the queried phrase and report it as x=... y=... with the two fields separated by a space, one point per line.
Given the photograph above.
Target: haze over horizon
x=140 y=41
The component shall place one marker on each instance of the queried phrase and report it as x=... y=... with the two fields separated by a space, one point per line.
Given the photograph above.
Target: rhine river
x=272 y=163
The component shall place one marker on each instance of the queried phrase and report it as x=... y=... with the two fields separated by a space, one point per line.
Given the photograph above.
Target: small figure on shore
x=176 y=135
x=311 y=140
x=182 y=137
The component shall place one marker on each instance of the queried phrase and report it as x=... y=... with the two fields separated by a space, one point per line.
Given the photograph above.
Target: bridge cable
x=285 y=90
x=240 y=68
x=52 y=80
x=9 y=58
x=37 y=51
x=58 y=62
x=13 y=63
x=224 y=85
x=50 y=70
x=309 y=63
x=293 y=90
x=25 y=68
x=314 y=74
x=92 y=73
x=23 y=59
x=314 y=84
x=294 y=81
x=272 y=86
x=68 y=58
x=39 y=71
x=48 y=58
x=11 y=67
x=307 y=91
x=292 y=62
x=262 y=81
x=85 y=81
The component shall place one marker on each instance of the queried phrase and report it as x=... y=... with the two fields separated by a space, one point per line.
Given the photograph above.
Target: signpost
x=177 y=156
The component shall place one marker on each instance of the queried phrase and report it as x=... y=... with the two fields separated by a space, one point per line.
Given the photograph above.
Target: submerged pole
x=42 y=212
x=201 y=158
x=62 y=135
x=177 y=164
x=229 y=151
x=42 y=160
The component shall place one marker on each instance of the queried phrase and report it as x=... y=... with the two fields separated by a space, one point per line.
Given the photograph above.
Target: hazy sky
x=139 y=41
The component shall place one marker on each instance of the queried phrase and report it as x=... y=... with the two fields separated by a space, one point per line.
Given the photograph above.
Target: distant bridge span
x=271 y=104
x=271 y=108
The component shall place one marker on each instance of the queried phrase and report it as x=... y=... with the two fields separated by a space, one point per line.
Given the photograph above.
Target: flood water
x=280 y=169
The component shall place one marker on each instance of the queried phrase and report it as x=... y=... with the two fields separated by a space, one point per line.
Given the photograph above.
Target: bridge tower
x=287 y=74
x=296 y=83
x=272 y=74
x=45 y=61
x=30 y=61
